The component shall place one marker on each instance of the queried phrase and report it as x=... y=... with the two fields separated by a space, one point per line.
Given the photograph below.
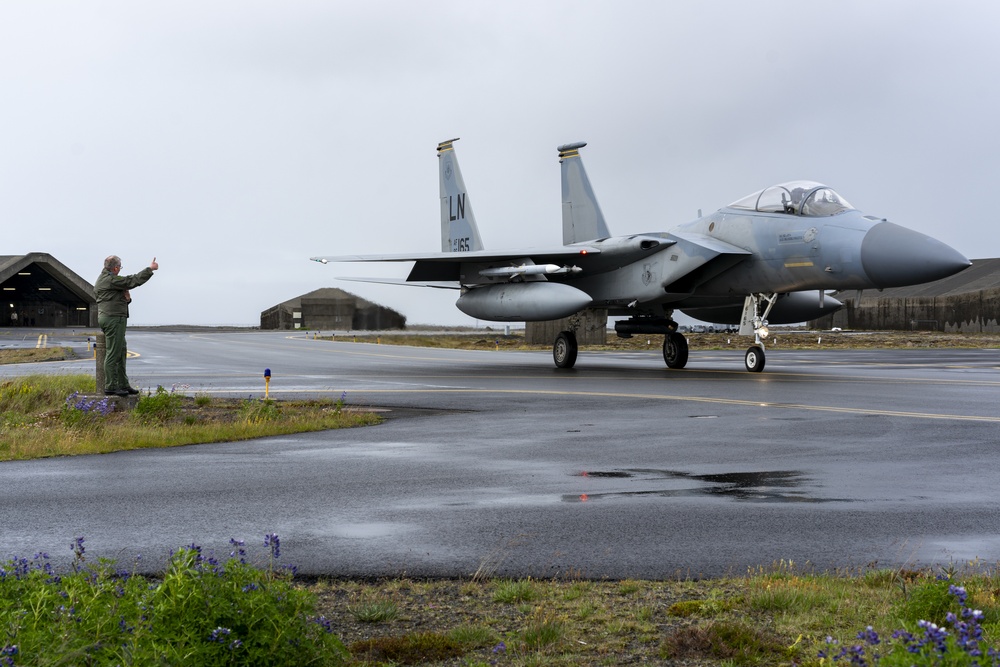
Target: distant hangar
x=331 y=308
x=40 y=291
x=967 y=302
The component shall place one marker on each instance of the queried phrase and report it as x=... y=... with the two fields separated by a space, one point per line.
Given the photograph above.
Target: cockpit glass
x=804 y=198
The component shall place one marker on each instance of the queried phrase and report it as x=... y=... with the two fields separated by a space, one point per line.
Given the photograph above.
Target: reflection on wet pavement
x=759 y=486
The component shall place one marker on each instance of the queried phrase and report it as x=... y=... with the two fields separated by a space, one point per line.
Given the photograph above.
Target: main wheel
x=564 y=349
x=755 y=359
x=675 y=350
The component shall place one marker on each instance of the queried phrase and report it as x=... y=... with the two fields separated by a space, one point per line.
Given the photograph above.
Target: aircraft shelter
x=40 y=291
x=967 y=302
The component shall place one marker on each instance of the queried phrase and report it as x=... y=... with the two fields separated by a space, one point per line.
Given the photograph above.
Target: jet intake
x=523 y=302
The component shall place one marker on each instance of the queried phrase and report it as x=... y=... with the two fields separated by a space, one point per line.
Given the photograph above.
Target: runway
x=498 y=462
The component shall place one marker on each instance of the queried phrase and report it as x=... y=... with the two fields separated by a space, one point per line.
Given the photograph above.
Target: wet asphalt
x=499 y=463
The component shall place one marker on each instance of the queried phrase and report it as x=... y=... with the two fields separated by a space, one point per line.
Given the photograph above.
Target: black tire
x=675 y=350
x=564 y=350
x=755 y=359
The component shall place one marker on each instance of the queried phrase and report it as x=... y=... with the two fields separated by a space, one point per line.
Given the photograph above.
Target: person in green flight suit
x=112 y=292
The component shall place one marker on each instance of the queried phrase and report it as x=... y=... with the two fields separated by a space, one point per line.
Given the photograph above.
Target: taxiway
x=497 y=462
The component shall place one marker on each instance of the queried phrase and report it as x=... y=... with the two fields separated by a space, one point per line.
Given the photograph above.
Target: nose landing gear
x=755 y=322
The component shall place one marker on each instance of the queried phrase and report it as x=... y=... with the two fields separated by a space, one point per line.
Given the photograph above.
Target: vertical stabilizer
x=582 y=217
x=458 y=224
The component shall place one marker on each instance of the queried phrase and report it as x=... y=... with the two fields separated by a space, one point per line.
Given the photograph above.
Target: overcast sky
x=234 y=140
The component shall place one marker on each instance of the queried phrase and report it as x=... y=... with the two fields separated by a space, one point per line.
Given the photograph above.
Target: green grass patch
x=27 y=355
x=207 y=611
x=200 y=612
x=374 y=611
x=50 y=415
x=511 y=591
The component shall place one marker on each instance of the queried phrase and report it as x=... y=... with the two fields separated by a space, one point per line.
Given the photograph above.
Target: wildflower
x=239 y=550
x=271 y=540
x=78 y=549
x=219 y=634
x=870 y=636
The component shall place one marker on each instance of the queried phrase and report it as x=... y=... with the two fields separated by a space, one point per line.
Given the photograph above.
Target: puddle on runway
x=782 y=486
x=959 y=548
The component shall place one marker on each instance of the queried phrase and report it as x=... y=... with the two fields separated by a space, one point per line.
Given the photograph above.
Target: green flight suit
x=112 y=315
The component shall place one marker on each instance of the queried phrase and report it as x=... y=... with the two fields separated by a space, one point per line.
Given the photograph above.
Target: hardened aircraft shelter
x=40 y=291
x=967 y=302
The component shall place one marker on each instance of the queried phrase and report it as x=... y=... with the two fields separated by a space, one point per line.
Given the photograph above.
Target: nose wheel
x=755 y=359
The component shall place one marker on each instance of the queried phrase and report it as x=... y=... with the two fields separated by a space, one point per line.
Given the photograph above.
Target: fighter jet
x=768 y=258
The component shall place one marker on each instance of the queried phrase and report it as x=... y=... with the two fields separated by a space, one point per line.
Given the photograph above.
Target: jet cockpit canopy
x=805 y=198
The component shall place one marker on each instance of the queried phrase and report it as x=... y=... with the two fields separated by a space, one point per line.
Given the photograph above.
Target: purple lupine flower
x=239 y=550
x=271 y=540
x=219 y=634
x=78 y=549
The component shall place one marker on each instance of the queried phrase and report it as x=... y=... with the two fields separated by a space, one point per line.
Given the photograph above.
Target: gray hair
x=112 y=262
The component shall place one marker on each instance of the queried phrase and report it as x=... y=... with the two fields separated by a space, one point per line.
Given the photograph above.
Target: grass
x=772 y=616
x=46 y=415
x=24 y=355
x=206 y=609
x=201 y=611
x=210 y=609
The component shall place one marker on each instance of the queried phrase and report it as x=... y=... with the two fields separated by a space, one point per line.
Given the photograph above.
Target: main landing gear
x=565 y=349
x=675 y=350
x=756 y=308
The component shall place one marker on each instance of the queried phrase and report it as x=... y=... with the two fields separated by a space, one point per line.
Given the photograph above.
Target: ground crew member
x=112 y=292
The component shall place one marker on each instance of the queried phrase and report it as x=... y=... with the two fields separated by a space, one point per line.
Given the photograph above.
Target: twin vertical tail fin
x=581 y=214
x=458 y=224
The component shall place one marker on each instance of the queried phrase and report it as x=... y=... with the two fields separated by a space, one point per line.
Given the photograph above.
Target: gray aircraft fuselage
x=784 y=253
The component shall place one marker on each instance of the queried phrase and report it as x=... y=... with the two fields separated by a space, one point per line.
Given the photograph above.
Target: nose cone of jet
x=895 y=256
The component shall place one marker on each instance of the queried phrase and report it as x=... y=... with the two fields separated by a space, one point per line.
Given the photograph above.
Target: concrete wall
x=972 y=312
x=590 y=327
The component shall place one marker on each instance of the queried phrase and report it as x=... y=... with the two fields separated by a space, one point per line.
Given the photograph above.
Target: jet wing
x=560 y=253
x=441 y=269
